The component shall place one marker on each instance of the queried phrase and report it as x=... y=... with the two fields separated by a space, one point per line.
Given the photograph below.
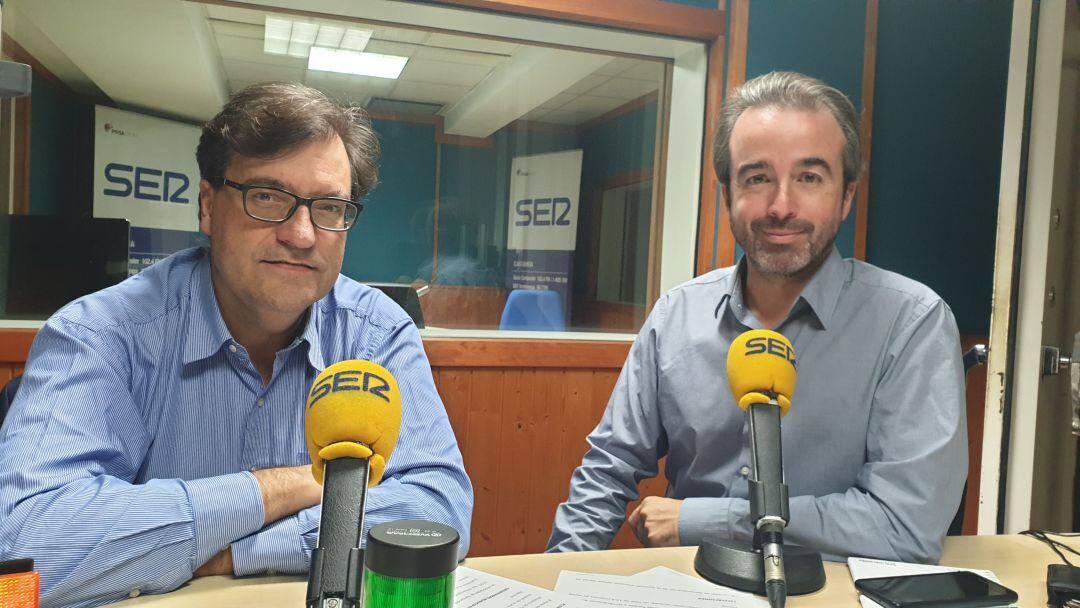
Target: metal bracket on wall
x=1053 y=361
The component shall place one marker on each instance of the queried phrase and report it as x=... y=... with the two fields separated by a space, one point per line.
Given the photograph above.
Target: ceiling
x=183 y=59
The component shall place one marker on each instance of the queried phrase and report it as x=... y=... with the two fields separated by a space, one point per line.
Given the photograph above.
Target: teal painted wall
x=939 y=107
x=698 y=3
x=469 y=209
x=392 y=240
x=820 y=38
x=61 y=152
x=624 y=144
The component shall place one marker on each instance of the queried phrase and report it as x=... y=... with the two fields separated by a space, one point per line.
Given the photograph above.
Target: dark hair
x=787 y=90
x=268 y=120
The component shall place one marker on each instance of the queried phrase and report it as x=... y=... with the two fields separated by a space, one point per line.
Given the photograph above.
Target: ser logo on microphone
x=350 y=380
x=771 y=346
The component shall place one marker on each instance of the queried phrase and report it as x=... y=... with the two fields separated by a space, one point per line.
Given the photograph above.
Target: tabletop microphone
x=352 y=421
x=761 y=372
x=762 y=375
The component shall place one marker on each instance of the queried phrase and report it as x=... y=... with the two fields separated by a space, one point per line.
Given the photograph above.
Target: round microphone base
x=737 y=565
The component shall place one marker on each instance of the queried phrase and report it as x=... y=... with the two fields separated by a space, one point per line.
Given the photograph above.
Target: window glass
x=516 y=178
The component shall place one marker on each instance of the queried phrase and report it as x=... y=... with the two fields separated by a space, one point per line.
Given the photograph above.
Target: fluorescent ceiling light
x=345 y=61
x=296 y=38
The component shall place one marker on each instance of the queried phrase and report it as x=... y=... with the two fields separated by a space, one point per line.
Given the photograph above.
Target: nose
x=297 y=231
x=782 y=205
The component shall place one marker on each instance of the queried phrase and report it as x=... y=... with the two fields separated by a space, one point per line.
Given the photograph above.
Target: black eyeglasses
x=271 y=204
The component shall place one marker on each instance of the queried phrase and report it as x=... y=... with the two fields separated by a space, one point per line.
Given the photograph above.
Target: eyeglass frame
x=298 y=201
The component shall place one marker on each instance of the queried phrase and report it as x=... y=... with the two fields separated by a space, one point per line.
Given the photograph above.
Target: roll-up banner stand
x=542 y=222
x=145 y=172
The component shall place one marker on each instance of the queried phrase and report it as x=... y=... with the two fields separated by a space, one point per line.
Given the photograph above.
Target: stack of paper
x=876 y=568
x=475 y=589
x=657 y=588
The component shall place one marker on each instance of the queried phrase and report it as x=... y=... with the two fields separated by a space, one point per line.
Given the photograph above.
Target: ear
x=849 y=196
x=206 y=205
x=725 y=197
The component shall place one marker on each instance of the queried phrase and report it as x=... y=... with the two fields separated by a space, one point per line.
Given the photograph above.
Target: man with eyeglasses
x=158 y=433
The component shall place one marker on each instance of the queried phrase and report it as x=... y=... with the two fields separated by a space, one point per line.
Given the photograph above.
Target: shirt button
x=260 y=402
x=232 y=348
x=745 y=471
x=134 y=593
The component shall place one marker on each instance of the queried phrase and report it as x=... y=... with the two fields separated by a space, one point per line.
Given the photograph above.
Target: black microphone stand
x=335 y=577
x=765 y=566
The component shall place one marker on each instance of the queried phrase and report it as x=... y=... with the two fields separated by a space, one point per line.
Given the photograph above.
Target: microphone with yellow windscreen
x=761 y=372
x=352 y=421
x=353 y=411
x=761 y=367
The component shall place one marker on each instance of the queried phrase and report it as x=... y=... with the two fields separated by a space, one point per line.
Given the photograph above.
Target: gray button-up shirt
x=875 y=447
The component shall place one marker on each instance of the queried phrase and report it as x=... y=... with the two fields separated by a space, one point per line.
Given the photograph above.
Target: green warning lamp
x=410 y=564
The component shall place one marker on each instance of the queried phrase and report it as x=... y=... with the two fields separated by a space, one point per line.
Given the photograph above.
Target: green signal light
x=410 y=564
x=392 y=592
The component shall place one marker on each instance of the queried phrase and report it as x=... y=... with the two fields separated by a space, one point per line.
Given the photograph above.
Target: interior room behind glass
x=460 y=118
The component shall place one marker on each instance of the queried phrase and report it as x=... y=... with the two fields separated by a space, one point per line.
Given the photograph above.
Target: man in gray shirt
x=875 y=448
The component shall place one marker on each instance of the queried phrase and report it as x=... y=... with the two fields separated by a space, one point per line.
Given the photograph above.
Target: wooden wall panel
x=534 y=422
x=976 y=403
x=482 y=458
x=458 y=306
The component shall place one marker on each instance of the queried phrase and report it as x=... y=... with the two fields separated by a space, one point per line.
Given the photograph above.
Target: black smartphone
x=959 y=589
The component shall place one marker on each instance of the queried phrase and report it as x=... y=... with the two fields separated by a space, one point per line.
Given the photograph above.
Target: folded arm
x=72 y=445
x=424 y=478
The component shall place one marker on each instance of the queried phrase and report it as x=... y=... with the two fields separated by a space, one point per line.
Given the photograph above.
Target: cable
x=1043 y=536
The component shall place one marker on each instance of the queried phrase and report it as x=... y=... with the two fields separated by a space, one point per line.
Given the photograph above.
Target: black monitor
x=406 y=297
x=47 y=261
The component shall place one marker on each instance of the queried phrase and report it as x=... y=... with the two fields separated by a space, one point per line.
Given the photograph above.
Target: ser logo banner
x=542 y=211
x=145 y=183
x=350 y=381
x=771 y=346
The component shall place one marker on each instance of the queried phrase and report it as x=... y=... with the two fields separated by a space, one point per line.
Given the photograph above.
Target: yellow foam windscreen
x=761 y=362
x=353 y=411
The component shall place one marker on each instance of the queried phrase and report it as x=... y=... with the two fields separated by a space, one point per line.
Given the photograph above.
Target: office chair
x=533 y=310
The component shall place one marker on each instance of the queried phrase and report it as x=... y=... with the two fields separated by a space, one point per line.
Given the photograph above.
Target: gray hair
x=787 y=90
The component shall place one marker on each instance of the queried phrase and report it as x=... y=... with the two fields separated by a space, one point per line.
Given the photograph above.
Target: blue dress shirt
x=125 y=460
x=874 y=446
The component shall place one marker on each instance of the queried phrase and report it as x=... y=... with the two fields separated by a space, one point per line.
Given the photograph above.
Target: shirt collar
x=731 y=301
x=207 y=333
x=820 y=294
x=823 y=291
x=310 y=334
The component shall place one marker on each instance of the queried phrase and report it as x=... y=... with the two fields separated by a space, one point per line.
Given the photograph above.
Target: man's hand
x=219 y=564
x=286 y=491
x=655 y=521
